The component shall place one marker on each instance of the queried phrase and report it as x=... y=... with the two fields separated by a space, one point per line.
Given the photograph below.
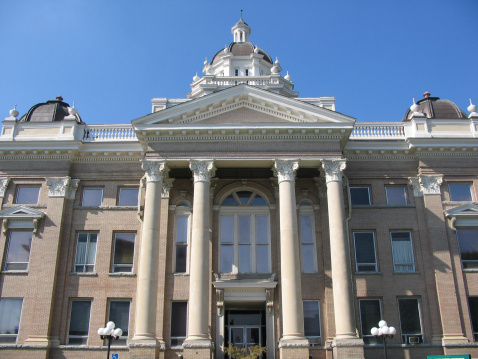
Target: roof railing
x=378 y=130
x=105 y=133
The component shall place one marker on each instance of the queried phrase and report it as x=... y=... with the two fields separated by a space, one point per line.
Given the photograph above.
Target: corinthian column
x=291 y=292
x=345 y=328
x=198 y=305
x=145 y=321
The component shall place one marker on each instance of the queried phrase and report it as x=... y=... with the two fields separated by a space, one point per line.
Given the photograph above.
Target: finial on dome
x=277 y=61
x=72 y=110
x=241 y=14
x=14 y=112
x=256 y=49
x=414 y=108
x=226 y=49
x=287 y=76
x=59 y=98
x=205 y=62
x=196 y=77
x=472 y=110
x=426 y=94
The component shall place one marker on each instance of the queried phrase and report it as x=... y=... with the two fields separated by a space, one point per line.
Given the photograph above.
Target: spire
x=241 y=31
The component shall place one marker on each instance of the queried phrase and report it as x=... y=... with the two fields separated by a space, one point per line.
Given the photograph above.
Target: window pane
x=226 y=258
x=27 y=194
x=409 y=316
x=18 y=252
x=369 y=316
x=124 y=252
x=244 y=258
x=311 y=318
x=229 y=201
x=306 y=229
x=308 y=265
x=359 y=195
x=473 y=302
x=468 y=243
x=181 y=258
x=396 y=195
x=79 y=322
x=179 y=313
x=119 y=314
x=402 y=252
x=365 y=251
x=262 y=258
x=128 y=197
x=262 y=229
x=244 y=196
x=244 y=229
x=460 y=191
x=10 y=313
x=85 y=252
x=258 y=201
x=182 y=229
x=227 y=229
x=92 y=197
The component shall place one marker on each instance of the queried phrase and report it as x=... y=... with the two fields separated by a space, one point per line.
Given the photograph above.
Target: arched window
x=307 y=237
x=182 y=225
x=244 y=233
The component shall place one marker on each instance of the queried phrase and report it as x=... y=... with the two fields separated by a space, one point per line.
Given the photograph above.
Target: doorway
x=245 y=328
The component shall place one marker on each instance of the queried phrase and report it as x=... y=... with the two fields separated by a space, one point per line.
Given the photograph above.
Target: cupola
x=51 y=111
x=241 y=31
x=436 y=108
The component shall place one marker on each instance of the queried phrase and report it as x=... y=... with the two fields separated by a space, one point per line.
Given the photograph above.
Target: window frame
x=313 y=339
x=171 y=321
x=367 y=187
x=88 y=189
x=20 y=186
x=15 y=336
x=182 y=212
x=114 y=265
x=405 y=196
x=8 y=246
x=307 y=210
x=357 y=264
x=405 y=336
x=460 y=247
x=470 y=187
x=123 y=338
x=82 y=337
x=474 y=325
x=118 y=197
x=84 y=264
x=367 y=336
x=414 y=269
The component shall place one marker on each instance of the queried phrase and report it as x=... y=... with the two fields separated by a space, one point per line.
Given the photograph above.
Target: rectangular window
x=247 y=72
x=128 y=196
x=79 y=322
x=307 y=243
x=460 y=192
x=370 y=315
x=10 y=313
x=360 y=196
x=468 y=243
x=236 y=72
x=27 y=194
x=124 y=252
x=119 y=314
x=365 y=259
x=402 y=251
x=182 y=234
x=410 y=323
x=473 y=303
x=92 y=197
x=179 y=315
x=86 y=252
x=396 y=195
x=311 y=310
x=18 y=250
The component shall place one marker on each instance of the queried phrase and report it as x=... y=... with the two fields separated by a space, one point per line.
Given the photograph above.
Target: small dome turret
x=51 y=111
x=241 y=31
x=434 y=107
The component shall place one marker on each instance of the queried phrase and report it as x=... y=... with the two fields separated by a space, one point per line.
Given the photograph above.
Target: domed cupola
x=51 y=111
x=241 y=31
x=436 y=108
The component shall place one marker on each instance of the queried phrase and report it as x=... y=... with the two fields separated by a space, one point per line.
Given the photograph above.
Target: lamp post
x=110 y=333
x=384 y=332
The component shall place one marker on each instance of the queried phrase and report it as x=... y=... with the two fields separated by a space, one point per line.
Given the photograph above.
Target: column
x=346 y=344
x=198 y=343
x=293 y=343
x=145 y=322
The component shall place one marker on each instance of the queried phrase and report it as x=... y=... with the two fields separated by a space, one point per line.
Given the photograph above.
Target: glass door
x=245 y=336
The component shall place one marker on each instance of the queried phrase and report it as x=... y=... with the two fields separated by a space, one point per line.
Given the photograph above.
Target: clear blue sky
x=112 y=57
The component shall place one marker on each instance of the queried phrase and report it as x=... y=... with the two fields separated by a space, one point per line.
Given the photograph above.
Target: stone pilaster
x=346 y=344
x=198 y=343
x=293 y=339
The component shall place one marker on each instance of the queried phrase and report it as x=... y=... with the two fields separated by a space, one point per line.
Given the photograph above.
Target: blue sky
x=112 y=57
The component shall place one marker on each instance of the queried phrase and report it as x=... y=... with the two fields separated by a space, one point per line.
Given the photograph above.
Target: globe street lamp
x=384 y=332
x=110 y=333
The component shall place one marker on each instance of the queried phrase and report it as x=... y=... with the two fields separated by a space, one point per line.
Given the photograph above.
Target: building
x=242 y=213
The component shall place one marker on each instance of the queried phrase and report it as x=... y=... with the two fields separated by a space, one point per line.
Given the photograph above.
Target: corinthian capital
x=430 y=184
x=156 y=170
x=61 y=187
x=3 y=185
x=333 y=170
x=203 y=170
x=285 y=170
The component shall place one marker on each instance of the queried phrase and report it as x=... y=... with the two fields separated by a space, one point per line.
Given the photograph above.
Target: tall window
x=124 y=252
x=119 y=314
x=92 y=197
x=18 y=250
x=236 y=72
x=468 y=242
x=360 y=196
x=179 y=315
x=473 y=304
x=410 y=323
x=460 y=192
x=402 y=251
x=244 y=233
x=182 y=230
x=311 y=311
x=370 y=315
x=85 y=252
x=365 y=258
x=128 y=196
x=247 y=72
x=307 y=238
x=396 y=195
x=27 y=194
x=10 y=313
x=79 y=322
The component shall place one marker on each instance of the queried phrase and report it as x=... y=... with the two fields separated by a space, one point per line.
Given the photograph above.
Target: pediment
x=21 y=212
x=467 y=211
x=242 y=104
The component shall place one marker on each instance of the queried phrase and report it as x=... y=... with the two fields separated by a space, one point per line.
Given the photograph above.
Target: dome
x=434 y=107
x=241 y=49
x=50 y=111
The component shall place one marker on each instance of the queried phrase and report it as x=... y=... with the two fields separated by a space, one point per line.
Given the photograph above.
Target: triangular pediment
x=464 y=210
x=21 y=212
x=239 y=105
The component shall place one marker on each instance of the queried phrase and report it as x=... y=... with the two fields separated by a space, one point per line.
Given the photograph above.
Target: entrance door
x=245 y=336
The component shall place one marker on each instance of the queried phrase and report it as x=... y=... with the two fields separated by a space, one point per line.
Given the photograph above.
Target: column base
x=294 y=348
x=451 y=339
x=40 y=341
x=348 y=348
x=146 y=348
x=198 y=348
